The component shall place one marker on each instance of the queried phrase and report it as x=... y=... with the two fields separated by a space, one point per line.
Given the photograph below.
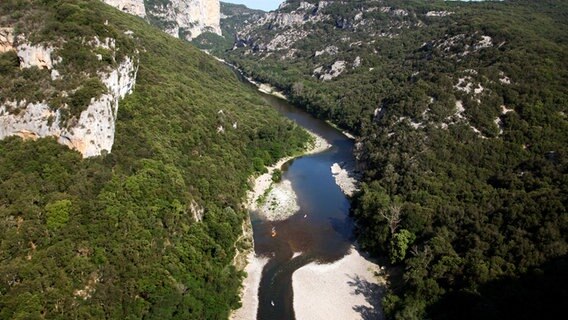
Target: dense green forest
x=149 y=230
x=461 y=112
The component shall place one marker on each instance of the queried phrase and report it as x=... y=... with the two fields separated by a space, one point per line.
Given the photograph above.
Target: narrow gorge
x=308 y=159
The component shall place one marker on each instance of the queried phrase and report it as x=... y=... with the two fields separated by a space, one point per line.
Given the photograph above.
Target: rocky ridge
x=356 y=35
x=280 y=30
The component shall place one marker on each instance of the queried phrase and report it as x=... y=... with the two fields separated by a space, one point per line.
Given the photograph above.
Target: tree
x=400 y=243
x=58 y=213
x=392 y=215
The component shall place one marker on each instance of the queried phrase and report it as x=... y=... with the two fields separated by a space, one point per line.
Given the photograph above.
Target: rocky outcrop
x=184 y=19
x=334 y=71
x=92 y=133
x=135 y=7
x=288 y=26
x=6 y=39
x=331 y=50
x=30 y=55
x=196 y=211
x=438 y=13
x=35 y=56
x=187 y=19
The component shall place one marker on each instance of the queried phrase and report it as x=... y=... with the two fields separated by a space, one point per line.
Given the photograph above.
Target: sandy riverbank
x=250 y=288
x=281 y=202
x=281 y=196
x=268 y=89
x=345 y=179
x=262 y=87
x=346 y=289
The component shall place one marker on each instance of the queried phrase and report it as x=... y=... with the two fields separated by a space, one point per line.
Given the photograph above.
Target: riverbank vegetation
x=147 y=231
x=461 y=112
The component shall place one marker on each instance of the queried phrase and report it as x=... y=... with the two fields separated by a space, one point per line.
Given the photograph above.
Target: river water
x=320 y=231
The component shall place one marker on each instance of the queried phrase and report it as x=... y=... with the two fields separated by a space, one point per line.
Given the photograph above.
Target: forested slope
x=147 y=231
x=461 y=113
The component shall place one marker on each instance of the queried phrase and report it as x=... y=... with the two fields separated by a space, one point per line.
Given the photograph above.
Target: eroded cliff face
x=135 y=7
x=92 y=132
x=6 y=39
x=184 y=19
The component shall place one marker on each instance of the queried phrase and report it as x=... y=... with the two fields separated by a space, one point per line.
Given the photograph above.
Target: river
x=321 y=230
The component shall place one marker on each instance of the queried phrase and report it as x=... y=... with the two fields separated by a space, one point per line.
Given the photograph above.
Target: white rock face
x=6 y=39
x=289 y=27
x=289 y=19
x=438 y=13
x=189 y=18
x=499 y=123
x=466 y=84
x=183 y=18
x=503 y=78
x=29 y=55
x=93 y=131
x=135 y=7
x=357 y=62
x=35 y=56
x=331 y=50
x=336 y=69
x=197 y=211
x=485 y=42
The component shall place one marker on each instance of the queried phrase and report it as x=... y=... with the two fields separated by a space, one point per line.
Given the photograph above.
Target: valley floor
x=346 y=289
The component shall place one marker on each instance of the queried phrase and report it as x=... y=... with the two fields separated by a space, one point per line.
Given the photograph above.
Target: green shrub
x=57 y=214
x=80 y=99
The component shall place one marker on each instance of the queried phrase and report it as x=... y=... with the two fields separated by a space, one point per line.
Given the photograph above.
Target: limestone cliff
x=135 y=7
x=184 y=19
x=6 y=39
x=92 y=131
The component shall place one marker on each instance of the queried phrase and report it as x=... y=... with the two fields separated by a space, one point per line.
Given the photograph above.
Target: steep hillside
x=460 y=109
x=147 y=230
